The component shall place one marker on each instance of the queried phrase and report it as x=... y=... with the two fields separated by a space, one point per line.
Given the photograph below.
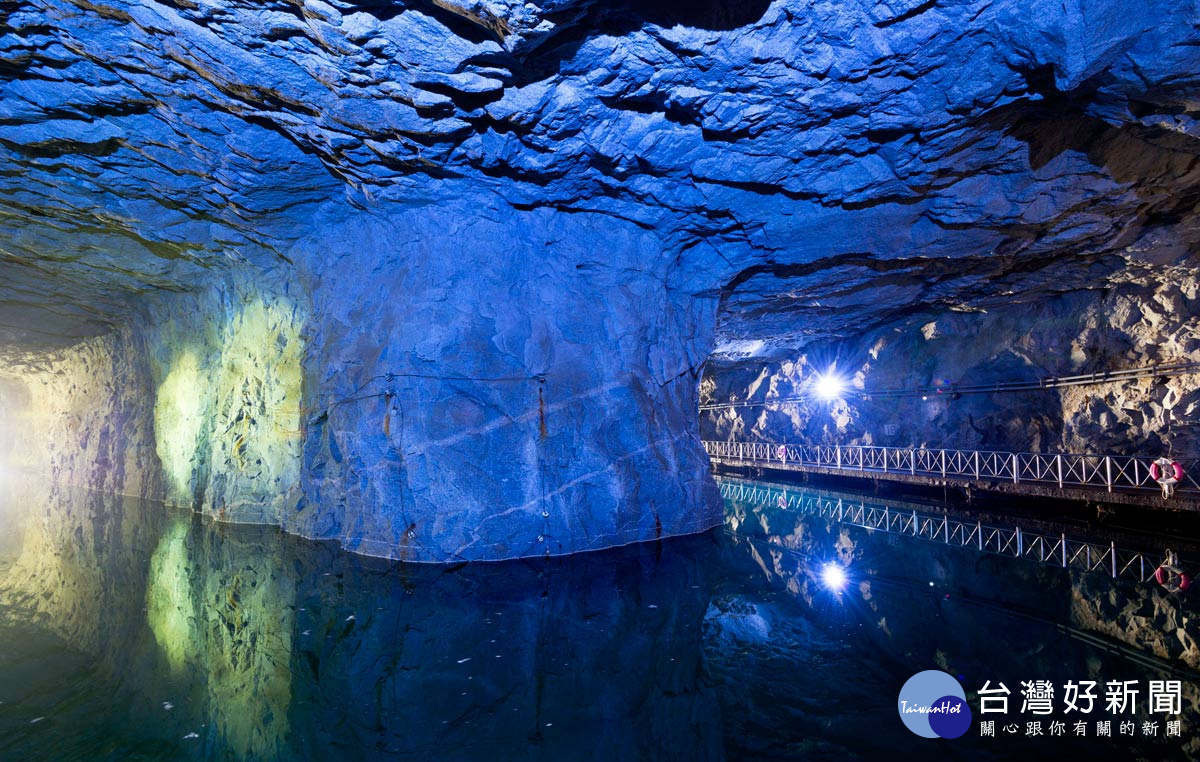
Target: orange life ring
x=781 y=452
x=1156 y=473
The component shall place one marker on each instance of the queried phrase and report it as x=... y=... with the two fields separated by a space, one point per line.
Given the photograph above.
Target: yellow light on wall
x=178 y=416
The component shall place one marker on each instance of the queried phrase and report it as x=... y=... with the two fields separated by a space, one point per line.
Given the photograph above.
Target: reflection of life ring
x=781 y=452
x=1158 y=471
x=781 y=501
x=1172 y=578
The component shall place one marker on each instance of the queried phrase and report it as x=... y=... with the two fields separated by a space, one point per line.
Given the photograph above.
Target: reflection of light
x=834 y=577
x=828 y=386
x=169 y=608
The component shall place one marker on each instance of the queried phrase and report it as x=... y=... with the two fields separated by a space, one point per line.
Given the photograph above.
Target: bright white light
x=828 y=386
x=834 y=577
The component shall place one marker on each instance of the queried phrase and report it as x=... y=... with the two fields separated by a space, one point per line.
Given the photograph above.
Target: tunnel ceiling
x=826 y=166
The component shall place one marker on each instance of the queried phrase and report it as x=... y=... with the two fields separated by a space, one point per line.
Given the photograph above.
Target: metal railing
x=1110 y=472
x=1061 y=551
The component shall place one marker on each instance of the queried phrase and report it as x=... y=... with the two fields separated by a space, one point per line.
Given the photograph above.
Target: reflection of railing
x=1008 y=541
x=1110 y=472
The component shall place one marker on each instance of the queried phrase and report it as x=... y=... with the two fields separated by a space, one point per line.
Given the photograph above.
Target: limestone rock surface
x=444 y=275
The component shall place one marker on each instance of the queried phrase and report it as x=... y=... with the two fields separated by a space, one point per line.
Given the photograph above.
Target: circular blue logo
x=933 y=705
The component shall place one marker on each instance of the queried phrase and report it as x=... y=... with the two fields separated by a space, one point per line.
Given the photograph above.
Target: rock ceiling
x=827 y=165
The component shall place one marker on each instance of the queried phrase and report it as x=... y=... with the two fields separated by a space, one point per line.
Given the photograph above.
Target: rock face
x=1146 y=317
x=439 y=279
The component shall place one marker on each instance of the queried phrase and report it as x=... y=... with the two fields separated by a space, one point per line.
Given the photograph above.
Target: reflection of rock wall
x=1144 y=616
x=246 y=631
x=1148 y=318
x=274 y=647
x=181 y=611
x=912 y=603
x=530 y=660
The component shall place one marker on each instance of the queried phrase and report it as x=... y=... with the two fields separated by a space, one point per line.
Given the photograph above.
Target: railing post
x=977 y=465
x=912 y=461
x=839 y=457
x=946 y=529
x=914 y=523
x=1020 y=544
x=943 y=464
x=979 y=528
x=1108 y=472
x=885 y=466
x=1058 y=465
x=1016 y=470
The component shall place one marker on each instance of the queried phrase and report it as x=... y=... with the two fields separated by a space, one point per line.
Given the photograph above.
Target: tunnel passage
x=369 y=272
x=1001 y=373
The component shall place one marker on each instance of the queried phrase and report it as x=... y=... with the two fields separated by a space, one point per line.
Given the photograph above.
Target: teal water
x=129 y=631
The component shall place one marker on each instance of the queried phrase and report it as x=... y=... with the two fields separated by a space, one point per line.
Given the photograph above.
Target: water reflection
x=242 y=642
x=135 y=632
x=913 y=604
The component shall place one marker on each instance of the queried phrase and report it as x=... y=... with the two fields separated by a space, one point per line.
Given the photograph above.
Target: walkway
x=1043 y=474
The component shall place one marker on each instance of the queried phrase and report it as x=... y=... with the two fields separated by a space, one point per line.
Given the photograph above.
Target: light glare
x=829 y=387
x=834 y=577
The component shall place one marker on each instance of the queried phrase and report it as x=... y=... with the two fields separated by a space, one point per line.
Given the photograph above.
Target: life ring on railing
x=1167 y=473
x=1172 y=578
x=1158 y=471
x=781 y=453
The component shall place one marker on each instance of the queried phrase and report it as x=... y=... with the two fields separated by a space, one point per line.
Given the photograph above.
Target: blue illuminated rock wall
x=438 y=279
x=436 y=387
x=1148 y=318
x=488 y=384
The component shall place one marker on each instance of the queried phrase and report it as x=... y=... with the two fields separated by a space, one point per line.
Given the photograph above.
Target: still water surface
x=130 y=631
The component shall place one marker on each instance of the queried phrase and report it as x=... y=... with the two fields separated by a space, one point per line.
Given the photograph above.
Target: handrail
x=1110 y=472
x=1060 y=551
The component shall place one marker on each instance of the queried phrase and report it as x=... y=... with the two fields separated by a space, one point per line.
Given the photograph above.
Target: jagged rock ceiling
x=828 y=165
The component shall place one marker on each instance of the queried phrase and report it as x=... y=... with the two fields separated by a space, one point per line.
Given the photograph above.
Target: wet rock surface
x=447 y=194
